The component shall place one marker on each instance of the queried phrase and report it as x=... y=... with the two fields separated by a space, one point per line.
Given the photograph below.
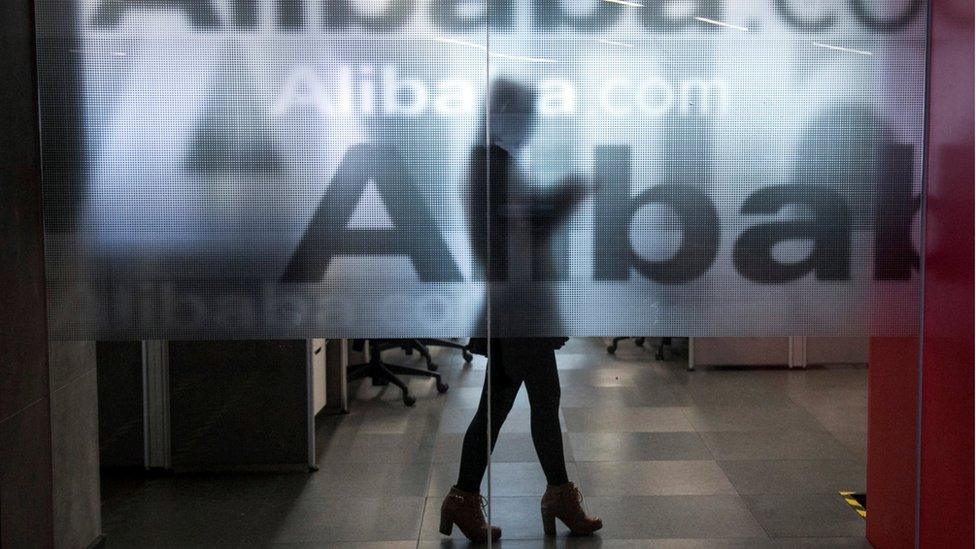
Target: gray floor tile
x=648 y=517
x=583 y=396
x=793 y=444
x=584 y=361
x=403 y=544
x=834 y=397
x=805 y=515
x=336 y=519
x=783 y=417
x=833 y=416
x=377 y=448
x=469 y=397
x=658 y=395
x=337 y=428
x=555 y=542
x=795 y=476
x=507 y=479
x=744 y=543
x=652 y=478
x=456 y=420
x=619 y=376
x=362 y=479
x=848 y=378
x=626 y=420
x=112 y=543
x=855 y=441
x=465 y=376
x=724 y=394
x=176 y=521
x=743 y=379
x=228 y=486
x=511 y=447
x=637 y=446
x=401 y=420
x=853 y=542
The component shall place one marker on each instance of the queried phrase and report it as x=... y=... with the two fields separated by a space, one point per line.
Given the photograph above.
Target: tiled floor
x=669 y=458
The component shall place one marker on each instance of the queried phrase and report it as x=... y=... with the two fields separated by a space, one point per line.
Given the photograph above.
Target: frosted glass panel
x=289 y=168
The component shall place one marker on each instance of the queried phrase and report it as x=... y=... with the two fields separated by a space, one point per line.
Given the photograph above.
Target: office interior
x=757 y=226
x=673 y=442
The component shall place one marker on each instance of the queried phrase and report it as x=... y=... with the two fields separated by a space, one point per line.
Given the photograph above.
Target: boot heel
x=447 y=526
x=549 y=524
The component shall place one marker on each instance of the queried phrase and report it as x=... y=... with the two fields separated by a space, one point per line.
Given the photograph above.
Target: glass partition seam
x=922 y=219
x=488 y=253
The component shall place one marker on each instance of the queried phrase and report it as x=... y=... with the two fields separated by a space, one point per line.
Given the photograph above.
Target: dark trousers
x=513 y=362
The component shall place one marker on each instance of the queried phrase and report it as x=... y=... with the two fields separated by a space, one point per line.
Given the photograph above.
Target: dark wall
x=238 y=403
x=26 y=501
x=120 y=411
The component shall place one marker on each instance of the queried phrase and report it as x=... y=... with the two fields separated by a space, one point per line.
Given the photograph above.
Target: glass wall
x=294 y=169
x=517 y=172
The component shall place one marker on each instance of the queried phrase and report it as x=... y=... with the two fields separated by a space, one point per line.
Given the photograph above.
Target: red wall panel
x=940 y=471
x=946 y=468
x=892 y=432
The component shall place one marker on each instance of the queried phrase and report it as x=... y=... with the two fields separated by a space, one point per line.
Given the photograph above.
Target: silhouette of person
x=511 y=223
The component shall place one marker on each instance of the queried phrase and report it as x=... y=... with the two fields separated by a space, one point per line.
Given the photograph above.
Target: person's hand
x=578 y=188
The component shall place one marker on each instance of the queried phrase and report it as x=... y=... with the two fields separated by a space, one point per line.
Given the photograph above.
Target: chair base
x=465 y=349
x=639 y=341
x=612 y=348
x=384 y=373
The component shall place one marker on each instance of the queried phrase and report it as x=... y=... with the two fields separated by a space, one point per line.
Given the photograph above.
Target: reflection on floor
x=668 y=458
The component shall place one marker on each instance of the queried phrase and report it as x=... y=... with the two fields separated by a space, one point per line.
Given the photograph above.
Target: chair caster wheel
x=442 y=388
x=409 y=400
x=468 y=357
x=611 y=349
x=432 y=367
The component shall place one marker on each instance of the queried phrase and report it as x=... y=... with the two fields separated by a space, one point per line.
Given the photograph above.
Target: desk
x=328 y=360
x=215 y=405
x=792 y=352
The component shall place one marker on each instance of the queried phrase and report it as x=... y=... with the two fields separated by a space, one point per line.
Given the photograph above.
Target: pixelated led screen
x=319 y=168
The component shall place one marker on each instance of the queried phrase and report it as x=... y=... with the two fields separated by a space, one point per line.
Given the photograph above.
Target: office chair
x=612 y=348
x=408 y=346
x=383 y=372
x=421 y=345
x=659 y=355
x=661 y=346
x=465 y=350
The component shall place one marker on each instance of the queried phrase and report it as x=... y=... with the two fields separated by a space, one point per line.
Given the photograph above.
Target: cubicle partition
x=216 y=405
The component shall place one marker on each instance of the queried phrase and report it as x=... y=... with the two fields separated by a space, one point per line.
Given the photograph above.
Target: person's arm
x=486 y=211
x=553 y=206
x=477 y=204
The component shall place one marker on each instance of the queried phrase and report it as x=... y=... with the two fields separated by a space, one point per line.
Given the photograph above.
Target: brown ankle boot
x=565 y=503
x=466 y=510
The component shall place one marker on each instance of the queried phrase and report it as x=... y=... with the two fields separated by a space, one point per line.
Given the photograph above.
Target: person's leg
x=474 y=454
x=542 y=384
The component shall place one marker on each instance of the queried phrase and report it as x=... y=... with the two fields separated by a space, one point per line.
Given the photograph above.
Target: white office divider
x=156 y=404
